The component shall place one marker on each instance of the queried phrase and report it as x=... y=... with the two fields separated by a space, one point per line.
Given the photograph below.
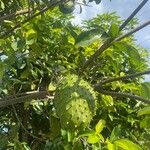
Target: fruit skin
x=67 y=8
x=75 y=103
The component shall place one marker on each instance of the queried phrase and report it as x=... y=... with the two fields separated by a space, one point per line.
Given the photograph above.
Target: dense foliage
x=36 y=56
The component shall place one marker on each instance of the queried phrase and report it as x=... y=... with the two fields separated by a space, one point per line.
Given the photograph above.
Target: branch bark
x=11 y=100
x=123 y=78
x=133 y=14
x=122 y=94
x=20 y=12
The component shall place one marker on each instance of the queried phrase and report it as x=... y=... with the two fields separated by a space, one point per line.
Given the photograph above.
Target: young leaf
x=126 y=144
x=144 y=111
x=100 y=125
x=87 y=37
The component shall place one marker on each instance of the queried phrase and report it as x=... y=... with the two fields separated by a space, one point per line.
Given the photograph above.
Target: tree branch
x=133 y=14
x=123 y=78
x=11 y=100
x=122 y=94
x=20 y=12
x=109 y=42
x=133 y=31
x=51 y=5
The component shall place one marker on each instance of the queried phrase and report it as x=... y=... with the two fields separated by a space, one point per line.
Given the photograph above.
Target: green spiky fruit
x=67 y=8
x=75 y=103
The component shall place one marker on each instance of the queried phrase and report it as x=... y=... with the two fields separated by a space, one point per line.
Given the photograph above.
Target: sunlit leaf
x=144 y=111
x=126 y=144
x=86 y=133
x=111 y=146
x=100 y=125
x=95 y=138
x=2 y=6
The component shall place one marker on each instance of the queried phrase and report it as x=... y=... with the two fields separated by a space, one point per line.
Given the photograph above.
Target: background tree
x=39 y=46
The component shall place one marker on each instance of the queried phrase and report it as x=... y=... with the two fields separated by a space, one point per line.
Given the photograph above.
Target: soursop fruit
x=75 y=103
x=67 y=7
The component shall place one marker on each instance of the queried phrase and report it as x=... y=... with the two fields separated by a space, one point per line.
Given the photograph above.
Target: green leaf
x=18 y=146
x=95 y=138
x=100 y=125
x=145 y=123
x=86 y=133
x=55 y=127
x=1 y=70
x=78 y=145
x=115 y=134
x=2 y=6
x=129 y=50
x=87 y=37
x=144 y=111
x=31 y=36
x=126 y=144
x=111 y=146
x=145 y=89
x=3 y=142
x=114 y=30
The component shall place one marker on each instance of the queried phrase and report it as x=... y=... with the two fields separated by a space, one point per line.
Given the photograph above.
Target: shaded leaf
x=115 y=134
x=145 y=89
x=1 y=70
x=78 y=145
x=145 y=123
x=87 y=37
x=114 y=30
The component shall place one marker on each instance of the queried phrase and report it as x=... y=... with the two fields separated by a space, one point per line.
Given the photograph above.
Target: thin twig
x=17 y=117
x=123 y=78
x=30 y=18
x=122 y=94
